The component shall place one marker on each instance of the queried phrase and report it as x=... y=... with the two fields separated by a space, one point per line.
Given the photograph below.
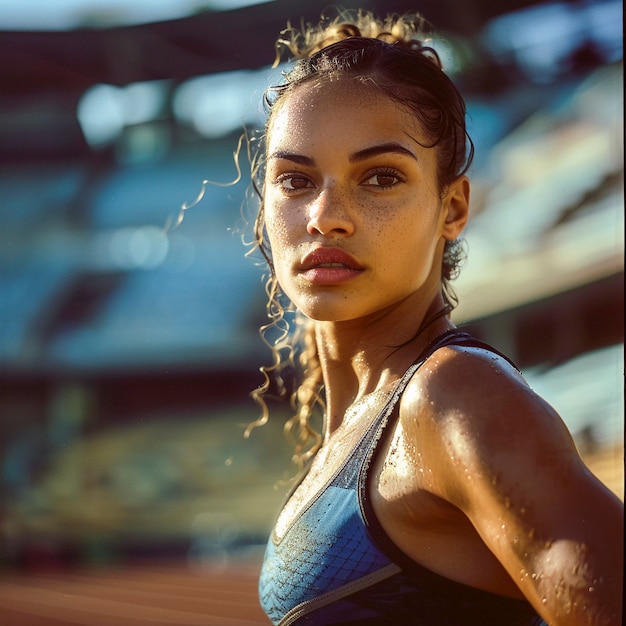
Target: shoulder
x=501 y=455
x=469 y=382
x=472 y=411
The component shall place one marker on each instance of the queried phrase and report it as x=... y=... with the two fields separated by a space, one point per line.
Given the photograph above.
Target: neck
x=363 y=356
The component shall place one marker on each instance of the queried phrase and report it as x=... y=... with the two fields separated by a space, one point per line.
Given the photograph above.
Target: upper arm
x=508 y=462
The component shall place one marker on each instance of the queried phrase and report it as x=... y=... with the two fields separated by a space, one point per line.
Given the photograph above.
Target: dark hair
x=410 y=76
x=390 y=55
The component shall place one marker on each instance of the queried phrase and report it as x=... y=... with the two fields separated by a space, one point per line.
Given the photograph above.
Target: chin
x=324 y=311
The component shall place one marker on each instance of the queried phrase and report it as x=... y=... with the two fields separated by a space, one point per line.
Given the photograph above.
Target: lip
x=329 y=266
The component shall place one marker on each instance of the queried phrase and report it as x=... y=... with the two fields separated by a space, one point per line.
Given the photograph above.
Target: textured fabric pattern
x=326 y=548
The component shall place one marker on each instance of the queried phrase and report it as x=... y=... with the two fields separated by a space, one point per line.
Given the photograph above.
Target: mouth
x=329 y=258
x=327 y=266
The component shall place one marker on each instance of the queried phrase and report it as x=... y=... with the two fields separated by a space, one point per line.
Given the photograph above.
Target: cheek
x=284 y=220
x=391 y=225
x=282 y=234
x=410 y=235
x=278 y=230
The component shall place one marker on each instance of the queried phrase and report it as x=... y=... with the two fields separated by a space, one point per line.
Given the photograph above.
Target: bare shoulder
x=477 y=389
x=473 y=409
x=500 y=454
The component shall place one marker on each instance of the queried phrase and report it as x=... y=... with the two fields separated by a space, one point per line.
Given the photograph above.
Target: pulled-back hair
x=390 y=55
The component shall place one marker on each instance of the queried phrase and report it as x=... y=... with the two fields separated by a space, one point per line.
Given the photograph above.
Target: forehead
x=341 y=109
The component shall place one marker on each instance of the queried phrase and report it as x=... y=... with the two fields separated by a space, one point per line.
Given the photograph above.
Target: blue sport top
x=336 y=565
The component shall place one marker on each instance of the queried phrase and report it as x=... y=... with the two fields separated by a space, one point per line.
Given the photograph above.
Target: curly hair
x=391 y=55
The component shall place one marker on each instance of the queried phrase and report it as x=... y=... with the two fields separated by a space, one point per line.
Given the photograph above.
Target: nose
x=329 y=215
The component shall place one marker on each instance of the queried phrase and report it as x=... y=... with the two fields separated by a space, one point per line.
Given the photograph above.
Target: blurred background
x=128 y=338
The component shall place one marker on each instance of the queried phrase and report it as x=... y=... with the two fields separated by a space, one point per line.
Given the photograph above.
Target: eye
x=293 y=182
x=384 y=179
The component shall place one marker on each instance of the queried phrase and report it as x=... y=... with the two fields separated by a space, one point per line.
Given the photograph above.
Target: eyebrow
x=289 y=156
x=360 y=155
x=383 y=148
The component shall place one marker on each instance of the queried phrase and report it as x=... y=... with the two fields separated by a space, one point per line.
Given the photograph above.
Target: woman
x=441 y=489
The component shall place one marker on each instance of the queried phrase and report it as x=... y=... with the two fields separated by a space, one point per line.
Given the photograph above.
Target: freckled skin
x=394 y=233
x=481 y=481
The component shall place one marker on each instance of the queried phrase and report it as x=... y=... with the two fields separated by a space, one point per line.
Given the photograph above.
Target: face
x=353 y=210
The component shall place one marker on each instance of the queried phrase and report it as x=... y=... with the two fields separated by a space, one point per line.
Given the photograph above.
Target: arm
x=511 y=466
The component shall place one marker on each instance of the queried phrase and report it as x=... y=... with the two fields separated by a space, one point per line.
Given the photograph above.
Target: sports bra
x=335 y=564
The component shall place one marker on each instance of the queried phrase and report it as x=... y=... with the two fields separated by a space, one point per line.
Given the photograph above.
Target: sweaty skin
x=481 y=481
x=482 y=484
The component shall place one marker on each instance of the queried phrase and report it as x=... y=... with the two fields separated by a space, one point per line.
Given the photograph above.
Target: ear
x=455 y=208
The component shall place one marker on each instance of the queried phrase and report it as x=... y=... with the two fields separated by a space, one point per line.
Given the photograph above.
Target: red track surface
x=132 y=596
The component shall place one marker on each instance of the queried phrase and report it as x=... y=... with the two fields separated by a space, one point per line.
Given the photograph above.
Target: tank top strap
x=383 y=426
x=455 y=337
x=348 y=474
x=369 y=442
x=458 y=337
